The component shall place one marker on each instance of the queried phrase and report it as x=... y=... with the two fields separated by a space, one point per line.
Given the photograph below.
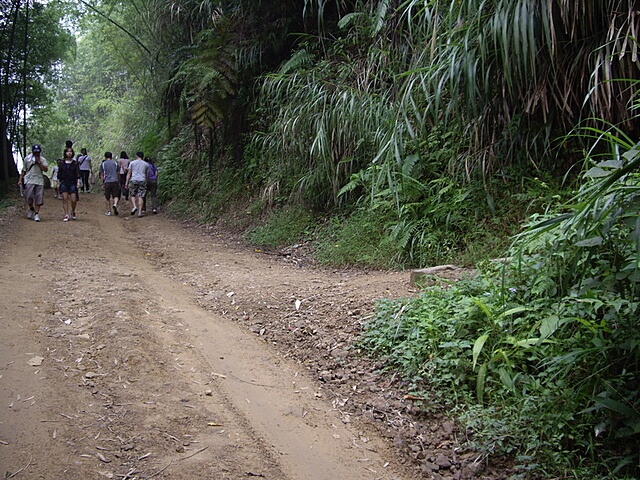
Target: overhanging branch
x=106 y=17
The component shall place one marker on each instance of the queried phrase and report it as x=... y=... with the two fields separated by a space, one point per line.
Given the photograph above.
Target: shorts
x=54 y=183
x=68 y=187
x=137 y=189
x=111 y=189
x=34 y=194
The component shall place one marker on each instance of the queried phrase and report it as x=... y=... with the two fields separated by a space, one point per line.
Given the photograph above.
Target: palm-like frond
x=321 y=131
x=208 y=81
x=504 y=68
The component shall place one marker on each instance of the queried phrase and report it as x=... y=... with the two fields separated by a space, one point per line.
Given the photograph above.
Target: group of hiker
x=132 y=179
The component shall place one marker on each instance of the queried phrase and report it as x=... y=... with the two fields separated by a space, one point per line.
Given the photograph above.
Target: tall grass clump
x=361 y=239
x=283 y=227
x=540 y=353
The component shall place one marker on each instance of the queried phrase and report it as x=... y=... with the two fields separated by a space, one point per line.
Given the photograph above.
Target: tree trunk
x=8 y=168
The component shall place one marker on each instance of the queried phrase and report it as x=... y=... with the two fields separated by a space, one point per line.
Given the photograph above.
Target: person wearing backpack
x=137 y=181
x=32 y=174
x=84 y=164
x=123 y=168
x=110 y=176
x=152 y=186
x=68 y=174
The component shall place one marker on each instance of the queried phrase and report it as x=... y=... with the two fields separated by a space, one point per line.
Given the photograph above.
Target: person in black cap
x=33 y=167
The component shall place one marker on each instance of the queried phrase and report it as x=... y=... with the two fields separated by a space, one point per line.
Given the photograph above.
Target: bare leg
x=140 y=204
x=65 y=202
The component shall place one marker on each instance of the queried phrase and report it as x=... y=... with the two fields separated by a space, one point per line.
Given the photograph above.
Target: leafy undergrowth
x=539 y=355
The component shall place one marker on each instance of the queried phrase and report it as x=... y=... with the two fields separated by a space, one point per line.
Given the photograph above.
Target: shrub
x=540 y=354
x=359 y=239
x=283 y=227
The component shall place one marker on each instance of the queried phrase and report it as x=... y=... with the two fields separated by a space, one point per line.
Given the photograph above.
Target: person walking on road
x=32 y=174
x=84 y=163
x=110 y=176
x=152 y=186
x=123 y=168
x=54 y=179
x=68 y=176
x=137 y=181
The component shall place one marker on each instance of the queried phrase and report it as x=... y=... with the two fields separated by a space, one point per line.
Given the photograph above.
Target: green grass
x=282 y=227
x=359 y=239
x=540 y=356
x=6 y=203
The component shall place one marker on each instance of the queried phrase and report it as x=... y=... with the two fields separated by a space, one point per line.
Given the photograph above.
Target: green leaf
x=616 y=406
x=484 y=308
x=596 y=172
x=631 y=154
x=611 y=164
x=477 y=348
x=480 y=381
x=527 y=342
x=549 y=326
x=590 y=242
x=513 y=311
x=506 y=378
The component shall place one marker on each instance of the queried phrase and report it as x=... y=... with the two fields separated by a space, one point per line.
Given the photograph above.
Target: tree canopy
x=33 y=43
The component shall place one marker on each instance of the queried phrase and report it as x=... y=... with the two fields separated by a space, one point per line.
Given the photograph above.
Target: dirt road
x=142 y=348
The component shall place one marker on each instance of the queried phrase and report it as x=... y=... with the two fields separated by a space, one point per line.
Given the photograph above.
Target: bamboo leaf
x=480 y=382
x=505 y=377
x=590 y=242
x=596 y=172
x=616 y=406
x=483 y=307
x=549 y=326
x=477 y=348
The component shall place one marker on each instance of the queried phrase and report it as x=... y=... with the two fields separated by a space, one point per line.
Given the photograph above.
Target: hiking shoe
x=73 y=216
x=66 y=218
x=36 y=217
x=154 y=211
x=30 y=214
x=115 y=210
x=133 y=210
x=141 y=214
x=107 y=213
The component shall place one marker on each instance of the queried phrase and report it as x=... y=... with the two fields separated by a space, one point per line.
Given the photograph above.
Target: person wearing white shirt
x=33 y=169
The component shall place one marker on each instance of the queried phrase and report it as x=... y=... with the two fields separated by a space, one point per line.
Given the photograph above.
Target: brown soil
x=149 y=348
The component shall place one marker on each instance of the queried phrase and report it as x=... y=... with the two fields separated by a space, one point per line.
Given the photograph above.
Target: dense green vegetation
x=393 y=134
x=540 y=353
x=32 y=46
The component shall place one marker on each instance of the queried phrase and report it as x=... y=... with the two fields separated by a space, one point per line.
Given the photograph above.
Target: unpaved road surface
x=140 y=348
x=115 y=362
